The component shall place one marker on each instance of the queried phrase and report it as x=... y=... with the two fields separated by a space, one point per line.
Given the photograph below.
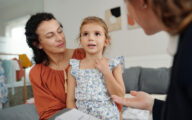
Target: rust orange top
x=49 y=88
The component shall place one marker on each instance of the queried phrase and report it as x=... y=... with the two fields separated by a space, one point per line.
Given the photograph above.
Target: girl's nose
x=91 y=37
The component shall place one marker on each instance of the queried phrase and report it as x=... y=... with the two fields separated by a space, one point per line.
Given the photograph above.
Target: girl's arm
x=114 y=82
x=71 y=91
x=114 y=79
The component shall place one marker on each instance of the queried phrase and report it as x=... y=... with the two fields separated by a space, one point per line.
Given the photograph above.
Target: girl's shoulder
x=114 y=62
x=74 y=63
x=117 y=60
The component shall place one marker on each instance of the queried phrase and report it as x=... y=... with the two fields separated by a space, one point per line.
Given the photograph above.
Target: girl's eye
x=97 y=34
x=85 y=34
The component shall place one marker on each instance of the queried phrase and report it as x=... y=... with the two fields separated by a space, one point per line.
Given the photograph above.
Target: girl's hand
x=102 y=65
x=141 y=100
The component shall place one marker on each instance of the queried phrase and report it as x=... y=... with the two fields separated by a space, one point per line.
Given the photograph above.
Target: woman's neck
x=60 y=61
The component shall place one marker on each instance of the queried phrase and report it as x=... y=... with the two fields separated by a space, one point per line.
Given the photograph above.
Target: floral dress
x=91 y=92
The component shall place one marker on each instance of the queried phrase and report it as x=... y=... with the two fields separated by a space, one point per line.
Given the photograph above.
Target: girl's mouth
x=91 y=45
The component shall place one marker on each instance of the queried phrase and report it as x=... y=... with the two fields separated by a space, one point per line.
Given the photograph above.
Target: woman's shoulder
x=79 y=53
x=35 y=72
x=38 y=69
x=35 y=68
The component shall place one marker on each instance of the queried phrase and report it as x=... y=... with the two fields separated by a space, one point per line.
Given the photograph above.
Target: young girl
x=95 y=78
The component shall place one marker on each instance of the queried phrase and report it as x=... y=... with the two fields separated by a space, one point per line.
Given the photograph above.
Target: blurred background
x=130 y=42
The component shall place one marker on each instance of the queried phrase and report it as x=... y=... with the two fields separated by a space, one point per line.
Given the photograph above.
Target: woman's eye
x=97 y=34
x=49 y=35
x=60 y=30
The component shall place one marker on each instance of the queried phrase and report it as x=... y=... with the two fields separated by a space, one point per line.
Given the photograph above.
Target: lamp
x=25 y=63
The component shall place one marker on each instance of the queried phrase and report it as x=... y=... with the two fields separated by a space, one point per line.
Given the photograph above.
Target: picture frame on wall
x=113 y=18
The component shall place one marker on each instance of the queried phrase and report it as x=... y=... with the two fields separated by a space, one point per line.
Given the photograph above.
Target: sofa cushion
x=20 y=112
x=154 y=80
x=131 y=78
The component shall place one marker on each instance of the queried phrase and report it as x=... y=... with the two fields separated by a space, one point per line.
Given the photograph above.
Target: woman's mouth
x=60 y=45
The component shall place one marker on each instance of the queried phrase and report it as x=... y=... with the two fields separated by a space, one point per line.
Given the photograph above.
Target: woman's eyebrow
x=59 y=27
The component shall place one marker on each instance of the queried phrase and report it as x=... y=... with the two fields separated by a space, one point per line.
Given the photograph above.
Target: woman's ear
x=143 y=3
x=37 y=45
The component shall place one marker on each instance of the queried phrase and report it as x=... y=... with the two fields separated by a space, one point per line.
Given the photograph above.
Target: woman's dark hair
x=32 y=37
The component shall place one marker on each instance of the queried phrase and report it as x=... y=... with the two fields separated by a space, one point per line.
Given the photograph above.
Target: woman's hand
x=140 y=100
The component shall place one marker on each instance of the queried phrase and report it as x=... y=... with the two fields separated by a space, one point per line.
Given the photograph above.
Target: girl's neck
x=89 y=61
x=91 y=57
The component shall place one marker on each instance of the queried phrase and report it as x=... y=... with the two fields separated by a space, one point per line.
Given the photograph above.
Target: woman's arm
x=114 y=80
x=140 y=100
x=45 y=102
x=71 y=91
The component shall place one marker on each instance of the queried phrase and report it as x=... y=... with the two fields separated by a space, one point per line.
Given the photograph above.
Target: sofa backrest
x=150 y=80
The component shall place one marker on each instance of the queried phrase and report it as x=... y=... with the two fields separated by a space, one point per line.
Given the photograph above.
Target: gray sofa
x=20 y=112
x=151 y=80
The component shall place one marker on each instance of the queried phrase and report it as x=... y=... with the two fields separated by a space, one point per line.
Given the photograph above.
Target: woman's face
x=144 y=16
x=51 y=37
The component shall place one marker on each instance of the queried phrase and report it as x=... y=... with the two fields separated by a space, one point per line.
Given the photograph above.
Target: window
x=15 y=30
x=16 y=42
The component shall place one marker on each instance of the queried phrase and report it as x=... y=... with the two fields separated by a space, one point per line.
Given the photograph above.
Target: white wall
x=17 y=10
x=124 y=42
x=1 y=30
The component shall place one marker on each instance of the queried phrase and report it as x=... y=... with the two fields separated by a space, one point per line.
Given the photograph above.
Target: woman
x=175 y=17
x=46 y=38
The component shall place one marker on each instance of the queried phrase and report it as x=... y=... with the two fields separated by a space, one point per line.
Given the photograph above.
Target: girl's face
x=144 y=16
x=93 y=38
x=51 y=37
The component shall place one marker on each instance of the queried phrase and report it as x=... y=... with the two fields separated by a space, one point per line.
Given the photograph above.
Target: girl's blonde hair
x=95 y=20
x=175 y=14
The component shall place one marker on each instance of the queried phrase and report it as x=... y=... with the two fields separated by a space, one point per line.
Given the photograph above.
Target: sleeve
x=79 y=54
x=45 y=103
x=74 y=67
x=117 y=61
x=157 y=109
x=185 y=64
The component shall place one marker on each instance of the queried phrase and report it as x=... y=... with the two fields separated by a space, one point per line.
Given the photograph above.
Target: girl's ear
x=107 y=42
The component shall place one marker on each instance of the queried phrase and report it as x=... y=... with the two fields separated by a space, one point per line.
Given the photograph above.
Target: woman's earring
x=144 y=6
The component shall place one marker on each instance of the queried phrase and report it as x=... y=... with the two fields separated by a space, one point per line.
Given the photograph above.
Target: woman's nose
x=58 y=37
